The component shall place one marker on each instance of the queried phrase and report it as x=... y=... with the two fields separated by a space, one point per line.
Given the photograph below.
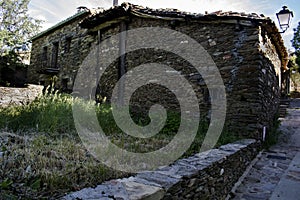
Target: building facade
x=246 y=48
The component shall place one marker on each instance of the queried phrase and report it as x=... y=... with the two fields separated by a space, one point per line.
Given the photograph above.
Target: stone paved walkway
x=275 y=173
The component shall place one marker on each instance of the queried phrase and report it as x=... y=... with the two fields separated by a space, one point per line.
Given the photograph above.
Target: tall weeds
x=51 y=113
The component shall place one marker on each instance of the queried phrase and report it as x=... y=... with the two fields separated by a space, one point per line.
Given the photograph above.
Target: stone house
x=247 y=49
x=56 y=49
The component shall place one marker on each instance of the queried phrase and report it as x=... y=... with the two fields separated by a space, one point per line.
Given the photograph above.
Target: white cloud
x=53 y=12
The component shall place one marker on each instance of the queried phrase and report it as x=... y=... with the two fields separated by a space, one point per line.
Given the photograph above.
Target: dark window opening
x=44 y=58
x=64 y=84
x=55 y=55
x=45 y=52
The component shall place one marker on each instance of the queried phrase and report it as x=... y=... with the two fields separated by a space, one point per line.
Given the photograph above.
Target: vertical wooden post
x=115 y=3
x=122 y=67
x=98 y=67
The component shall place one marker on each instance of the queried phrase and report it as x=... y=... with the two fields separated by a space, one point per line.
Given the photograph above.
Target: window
x=68 y=44
x=64 y=84
x=55 y=55
x=45 y=52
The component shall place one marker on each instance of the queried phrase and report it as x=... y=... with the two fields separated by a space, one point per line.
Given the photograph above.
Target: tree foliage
x=294 y=69
x=16 y=26
x=296 y=43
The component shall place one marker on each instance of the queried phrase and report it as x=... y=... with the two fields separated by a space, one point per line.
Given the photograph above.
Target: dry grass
x=38 y=166
x=41 y=155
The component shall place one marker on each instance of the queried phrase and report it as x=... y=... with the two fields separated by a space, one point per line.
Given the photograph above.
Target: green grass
x=49 y=113
x=44 y=156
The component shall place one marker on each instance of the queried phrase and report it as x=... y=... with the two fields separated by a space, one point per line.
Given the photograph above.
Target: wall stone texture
x=73 y=46
x=248 y=58
x=12 y=96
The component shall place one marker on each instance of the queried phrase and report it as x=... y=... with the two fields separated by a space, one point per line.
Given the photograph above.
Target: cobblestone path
x=275 y=173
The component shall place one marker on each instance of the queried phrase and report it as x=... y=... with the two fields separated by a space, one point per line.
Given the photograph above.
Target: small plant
x=6 y=183
x=273 y=135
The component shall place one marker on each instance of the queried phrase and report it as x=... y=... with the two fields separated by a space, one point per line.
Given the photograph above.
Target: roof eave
x=60 y=24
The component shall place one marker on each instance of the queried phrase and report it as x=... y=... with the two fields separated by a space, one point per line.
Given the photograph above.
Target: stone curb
x=210 y=174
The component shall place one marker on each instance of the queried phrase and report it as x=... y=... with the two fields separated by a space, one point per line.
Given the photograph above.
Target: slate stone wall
x=74 y=44
x=207 y=175
x=13 y=96
x=247 y=60
x=271 y=77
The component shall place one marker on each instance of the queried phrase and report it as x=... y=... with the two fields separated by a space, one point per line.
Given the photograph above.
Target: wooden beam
x=109 y=23
x=122 y=67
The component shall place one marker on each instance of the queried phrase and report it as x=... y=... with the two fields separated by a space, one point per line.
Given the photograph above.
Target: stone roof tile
x=126 y=9
x=100 y=15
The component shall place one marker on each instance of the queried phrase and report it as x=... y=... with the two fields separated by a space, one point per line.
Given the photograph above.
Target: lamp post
x=115 y=2
x=284 y=18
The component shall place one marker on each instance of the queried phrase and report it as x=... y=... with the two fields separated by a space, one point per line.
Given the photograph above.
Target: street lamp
x=284 y=18
x=115 y=2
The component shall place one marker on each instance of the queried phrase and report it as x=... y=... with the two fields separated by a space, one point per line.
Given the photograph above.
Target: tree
x=294 y=70
x=16 y=26
x=296 y=43
x=16 y=29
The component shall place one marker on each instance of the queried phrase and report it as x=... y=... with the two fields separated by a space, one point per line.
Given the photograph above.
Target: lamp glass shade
x=284 y=19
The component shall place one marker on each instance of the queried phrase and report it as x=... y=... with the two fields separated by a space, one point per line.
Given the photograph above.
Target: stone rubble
x=19 y=96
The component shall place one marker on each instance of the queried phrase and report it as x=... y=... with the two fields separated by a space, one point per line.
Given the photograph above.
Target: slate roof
x=74 y=17
x=128 y=9
x=94 y=17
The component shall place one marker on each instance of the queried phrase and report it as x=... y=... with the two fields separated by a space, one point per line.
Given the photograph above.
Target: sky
x=54 y=11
